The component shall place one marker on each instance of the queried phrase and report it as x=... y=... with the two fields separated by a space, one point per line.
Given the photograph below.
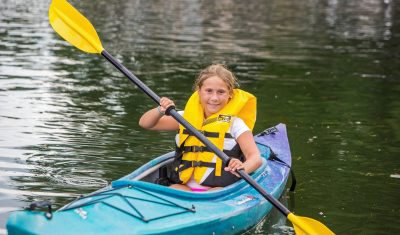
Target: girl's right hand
x=165 y=103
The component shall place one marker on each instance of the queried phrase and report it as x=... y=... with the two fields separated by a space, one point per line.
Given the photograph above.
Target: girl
x=226 y=116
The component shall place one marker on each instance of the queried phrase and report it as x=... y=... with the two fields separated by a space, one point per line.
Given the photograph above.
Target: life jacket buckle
x=196 y=163
x=196 y=149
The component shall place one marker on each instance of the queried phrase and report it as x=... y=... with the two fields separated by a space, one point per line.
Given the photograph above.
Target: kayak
x=139 y=203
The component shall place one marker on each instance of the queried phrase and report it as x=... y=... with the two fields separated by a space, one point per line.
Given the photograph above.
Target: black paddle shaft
x=171 y=111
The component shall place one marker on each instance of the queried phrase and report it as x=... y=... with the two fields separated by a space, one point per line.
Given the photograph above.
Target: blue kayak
x=138 y=204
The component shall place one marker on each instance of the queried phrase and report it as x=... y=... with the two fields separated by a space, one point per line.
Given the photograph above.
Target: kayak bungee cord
x=104 y=195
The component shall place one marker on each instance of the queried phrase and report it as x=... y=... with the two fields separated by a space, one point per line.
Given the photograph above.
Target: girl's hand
x=234 y=165
x=164 y=104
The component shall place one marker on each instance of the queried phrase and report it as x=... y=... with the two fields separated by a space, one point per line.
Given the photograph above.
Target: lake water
x=329 y=70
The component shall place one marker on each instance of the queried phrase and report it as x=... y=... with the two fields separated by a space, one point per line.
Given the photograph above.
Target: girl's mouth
x=213 y=105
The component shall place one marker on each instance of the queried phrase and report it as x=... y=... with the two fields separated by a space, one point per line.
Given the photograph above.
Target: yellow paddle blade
x=308 y=226
x=74 y=27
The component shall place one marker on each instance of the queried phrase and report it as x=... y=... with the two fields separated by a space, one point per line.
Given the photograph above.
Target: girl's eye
x=219 y=92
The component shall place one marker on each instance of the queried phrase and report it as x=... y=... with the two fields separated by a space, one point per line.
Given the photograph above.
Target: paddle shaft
x=131 y=77
x=172 y=112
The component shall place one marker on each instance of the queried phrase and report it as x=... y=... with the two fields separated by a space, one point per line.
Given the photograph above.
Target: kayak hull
x=136 y=205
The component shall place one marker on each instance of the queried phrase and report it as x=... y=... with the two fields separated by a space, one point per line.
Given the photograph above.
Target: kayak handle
x=48 y=214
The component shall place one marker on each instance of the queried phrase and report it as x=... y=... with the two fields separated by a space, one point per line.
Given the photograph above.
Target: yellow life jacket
x=196 y=159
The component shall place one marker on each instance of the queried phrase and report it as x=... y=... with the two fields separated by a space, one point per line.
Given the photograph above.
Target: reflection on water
x=328 y=69
x=274 y=222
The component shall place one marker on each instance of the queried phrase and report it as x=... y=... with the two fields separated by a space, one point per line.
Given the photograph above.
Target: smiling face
x=214 y=95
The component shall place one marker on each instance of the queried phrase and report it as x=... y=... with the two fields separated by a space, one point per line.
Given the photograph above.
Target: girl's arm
x=154 y=119
x=252 y=154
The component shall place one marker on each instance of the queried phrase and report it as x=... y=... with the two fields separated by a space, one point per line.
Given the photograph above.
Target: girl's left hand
x=234 y=165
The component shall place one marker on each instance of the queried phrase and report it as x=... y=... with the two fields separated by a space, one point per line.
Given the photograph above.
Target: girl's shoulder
x=238 y=127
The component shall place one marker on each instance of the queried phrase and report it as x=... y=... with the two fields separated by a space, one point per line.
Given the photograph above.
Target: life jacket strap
x=188 y=164
x=209 y=134
x=195 y=149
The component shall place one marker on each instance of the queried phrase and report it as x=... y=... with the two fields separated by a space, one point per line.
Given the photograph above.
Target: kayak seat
x=163 y=177
x=152 y=173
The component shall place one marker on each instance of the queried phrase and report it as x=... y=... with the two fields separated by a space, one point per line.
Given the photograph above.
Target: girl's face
x=214 y=95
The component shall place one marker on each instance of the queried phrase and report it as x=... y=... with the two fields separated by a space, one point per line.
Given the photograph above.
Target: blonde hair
x=220 y=71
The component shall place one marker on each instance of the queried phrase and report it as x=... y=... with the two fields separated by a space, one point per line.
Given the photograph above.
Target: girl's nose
x=214 y=96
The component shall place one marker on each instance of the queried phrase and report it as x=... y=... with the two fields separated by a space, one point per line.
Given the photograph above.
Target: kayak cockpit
x=152 y=175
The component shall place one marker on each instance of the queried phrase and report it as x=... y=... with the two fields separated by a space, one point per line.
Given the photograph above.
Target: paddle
x=77 y=30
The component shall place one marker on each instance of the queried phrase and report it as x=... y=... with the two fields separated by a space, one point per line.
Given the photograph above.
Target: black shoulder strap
x=179 y=149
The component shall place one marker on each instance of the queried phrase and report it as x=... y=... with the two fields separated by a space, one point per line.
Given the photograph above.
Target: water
x=328 y=69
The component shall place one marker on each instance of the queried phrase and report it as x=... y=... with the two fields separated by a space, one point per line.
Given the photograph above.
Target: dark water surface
x=328 y=69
